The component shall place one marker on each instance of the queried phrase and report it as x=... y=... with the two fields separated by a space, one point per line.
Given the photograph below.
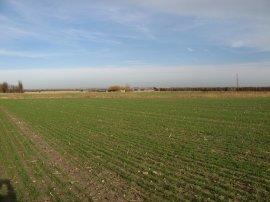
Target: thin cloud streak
x=25 y=54
x=244 y=9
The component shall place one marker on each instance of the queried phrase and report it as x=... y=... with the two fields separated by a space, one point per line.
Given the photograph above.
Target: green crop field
x=139 y=147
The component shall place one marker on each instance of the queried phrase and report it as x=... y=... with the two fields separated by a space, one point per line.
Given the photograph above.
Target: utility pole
x=237 y=81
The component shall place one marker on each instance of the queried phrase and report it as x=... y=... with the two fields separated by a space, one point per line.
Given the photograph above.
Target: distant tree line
x=216 y=89
x=7 y=88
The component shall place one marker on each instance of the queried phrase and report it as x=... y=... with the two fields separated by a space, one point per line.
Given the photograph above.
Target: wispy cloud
x=93 y=36
x=231 y=9
x=250 y=15
x=26 y=54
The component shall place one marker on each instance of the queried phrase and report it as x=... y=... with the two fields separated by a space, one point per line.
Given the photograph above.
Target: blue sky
x=87 y=43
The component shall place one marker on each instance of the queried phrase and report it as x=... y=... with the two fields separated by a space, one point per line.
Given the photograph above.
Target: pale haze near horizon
x=174 y=43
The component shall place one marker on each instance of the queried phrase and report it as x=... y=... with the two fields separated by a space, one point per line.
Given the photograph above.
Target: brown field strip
x=166 y=94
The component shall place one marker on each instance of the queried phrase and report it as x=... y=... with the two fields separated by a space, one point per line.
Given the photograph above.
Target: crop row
x=161 y=149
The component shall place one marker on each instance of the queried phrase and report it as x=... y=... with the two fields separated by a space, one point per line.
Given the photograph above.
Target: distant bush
x=119 y=88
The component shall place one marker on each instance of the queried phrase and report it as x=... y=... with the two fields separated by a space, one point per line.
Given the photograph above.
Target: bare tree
x=20 y=87
x=5 y=87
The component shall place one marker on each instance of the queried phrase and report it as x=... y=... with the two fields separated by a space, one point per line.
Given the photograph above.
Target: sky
x=161 y=43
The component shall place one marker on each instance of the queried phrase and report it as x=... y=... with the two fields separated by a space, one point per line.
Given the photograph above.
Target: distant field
x=169 y=146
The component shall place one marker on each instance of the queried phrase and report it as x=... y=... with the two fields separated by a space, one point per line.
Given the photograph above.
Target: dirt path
x=79 y=178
